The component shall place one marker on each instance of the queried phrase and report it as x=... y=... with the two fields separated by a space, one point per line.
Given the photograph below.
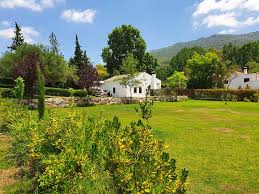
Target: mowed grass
x=218 y=143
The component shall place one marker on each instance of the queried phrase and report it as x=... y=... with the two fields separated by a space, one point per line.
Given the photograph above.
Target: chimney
x=245 y=70
x=153 y=78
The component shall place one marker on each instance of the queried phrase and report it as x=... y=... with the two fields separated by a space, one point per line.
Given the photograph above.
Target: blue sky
x=161 y=22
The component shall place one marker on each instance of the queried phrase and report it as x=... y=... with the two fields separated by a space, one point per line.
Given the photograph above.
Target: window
x=135 y=90
x=114 y=90
x=140 y=90
x=246 y=80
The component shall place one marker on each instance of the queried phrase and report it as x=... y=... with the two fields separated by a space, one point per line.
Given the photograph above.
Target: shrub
x=10 y=115
x=7 y=93
x=6 y=86
x=80 y=93
x=7 y=81
x=19 y=87
x=58 y=92
x=71 y=155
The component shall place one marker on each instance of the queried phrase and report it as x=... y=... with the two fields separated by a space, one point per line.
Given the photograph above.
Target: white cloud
x=231 y=15
x=34 y=5
x=77 y=16
x=28 y=32
x=5 y=23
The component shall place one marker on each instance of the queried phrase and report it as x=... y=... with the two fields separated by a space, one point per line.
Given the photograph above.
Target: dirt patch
x=7 y=177
x=229 y=188
x=179 y=110
x=223 y=130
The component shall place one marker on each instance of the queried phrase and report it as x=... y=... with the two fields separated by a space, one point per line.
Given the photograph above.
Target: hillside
x=216 y=41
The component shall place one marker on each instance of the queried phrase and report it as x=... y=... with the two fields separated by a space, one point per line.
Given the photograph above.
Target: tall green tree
x=177 y=81
x=122 y=41
x=230 y=54
x=150 y=63
x=102 y=71
x=54 y=45
x=206 y=71
x=179 y=62
x=18 y=39
x=78 y=58
x=40 y=93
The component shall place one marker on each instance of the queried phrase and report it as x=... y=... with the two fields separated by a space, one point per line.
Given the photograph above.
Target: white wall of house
x=114 y=87
x=243 y=79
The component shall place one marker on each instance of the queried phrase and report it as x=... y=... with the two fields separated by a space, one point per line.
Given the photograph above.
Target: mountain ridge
x=217 y=41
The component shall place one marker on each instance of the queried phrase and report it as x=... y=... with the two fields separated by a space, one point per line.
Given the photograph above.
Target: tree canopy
x=123 y=40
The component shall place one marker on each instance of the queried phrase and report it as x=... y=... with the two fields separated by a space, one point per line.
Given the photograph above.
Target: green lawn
x=218 y=143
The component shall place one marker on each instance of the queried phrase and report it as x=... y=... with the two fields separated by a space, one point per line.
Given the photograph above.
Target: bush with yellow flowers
x=81 y=154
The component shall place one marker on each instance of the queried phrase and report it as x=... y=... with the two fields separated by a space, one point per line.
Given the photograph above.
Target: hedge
x=65 y=92
x=214 y=94
x=6 y=86
x=7 y=81
x=7 y=93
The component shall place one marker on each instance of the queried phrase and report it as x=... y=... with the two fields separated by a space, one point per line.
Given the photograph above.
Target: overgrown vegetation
x=71 y=154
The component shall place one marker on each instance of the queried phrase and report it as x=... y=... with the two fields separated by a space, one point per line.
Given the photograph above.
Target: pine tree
x=54 y=45
x=77 y=60
x=86 y=60
x=18 y=39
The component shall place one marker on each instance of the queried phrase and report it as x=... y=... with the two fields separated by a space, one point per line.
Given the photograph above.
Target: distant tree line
x=210 y=68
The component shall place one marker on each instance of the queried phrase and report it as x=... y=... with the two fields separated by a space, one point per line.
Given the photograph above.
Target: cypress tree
x=18 y=39
x=41 y=93
x=78 y=55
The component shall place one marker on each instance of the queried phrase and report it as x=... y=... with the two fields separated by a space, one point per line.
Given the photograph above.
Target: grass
x=218 y=143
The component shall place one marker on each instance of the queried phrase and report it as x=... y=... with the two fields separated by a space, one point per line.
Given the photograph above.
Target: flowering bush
x=80 y=154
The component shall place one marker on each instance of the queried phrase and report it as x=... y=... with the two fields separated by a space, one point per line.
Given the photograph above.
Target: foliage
x=71 y=154
x=145 y=107
x=123 y=40
x=230 y=54
x=177 y=81
x=57 y=92
x=19 y=87
x=253 y=67
x=18 y=39
x=10 y=115
x=179 y=62
x=40 y=93
x=80 y=93
x=88 y=76
x=54 y=45
x=57 y=72
x=7 y=93
x=150 y=63
x=206 y=71
x=66 y=92
x=163 y=72
x=129 y=67
x=239 y=95
x=215 y=41
x=26 y=67
x=77 y=60
x=102 y=71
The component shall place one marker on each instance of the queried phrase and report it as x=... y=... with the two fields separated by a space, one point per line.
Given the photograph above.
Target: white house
x=114 y=88
x=242 y=80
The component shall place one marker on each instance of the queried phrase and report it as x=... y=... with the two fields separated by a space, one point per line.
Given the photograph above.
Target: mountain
x=215 y=41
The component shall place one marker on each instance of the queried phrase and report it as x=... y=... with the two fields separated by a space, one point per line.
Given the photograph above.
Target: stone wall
x=63 y=102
